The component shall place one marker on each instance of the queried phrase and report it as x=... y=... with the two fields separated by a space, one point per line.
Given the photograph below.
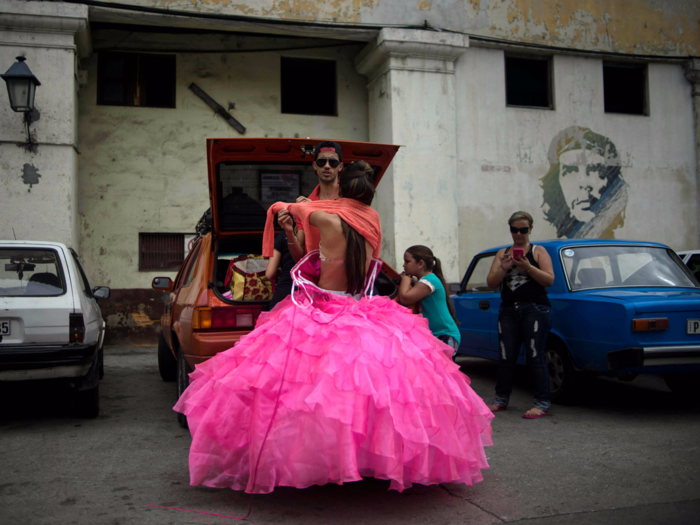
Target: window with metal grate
x=161 y=251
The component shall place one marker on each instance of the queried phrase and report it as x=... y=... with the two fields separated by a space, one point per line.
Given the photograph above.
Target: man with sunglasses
x=328 y=163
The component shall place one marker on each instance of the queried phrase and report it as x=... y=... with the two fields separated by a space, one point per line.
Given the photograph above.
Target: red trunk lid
x=246 y=175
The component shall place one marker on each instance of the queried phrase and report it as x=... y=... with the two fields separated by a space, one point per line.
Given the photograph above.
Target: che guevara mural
x=584 y=192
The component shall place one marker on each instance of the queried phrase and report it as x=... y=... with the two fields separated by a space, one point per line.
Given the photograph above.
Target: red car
x=245 y=177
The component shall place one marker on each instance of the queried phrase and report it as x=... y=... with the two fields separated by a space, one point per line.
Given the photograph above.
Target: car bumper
x=22 y=362
x=205 y=345
x=653 y=356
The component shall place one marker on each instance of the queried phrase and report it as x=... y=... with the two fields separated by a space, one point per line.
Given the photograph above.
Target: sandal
x=535 y=416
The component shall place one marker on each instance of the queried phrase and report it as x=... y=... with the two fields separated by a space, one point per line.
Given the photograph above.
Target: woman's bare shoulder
x=320 y=218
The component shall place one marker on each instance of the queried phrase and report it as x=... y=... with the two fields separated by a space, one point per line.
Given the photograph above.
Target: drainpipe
x=692 y=73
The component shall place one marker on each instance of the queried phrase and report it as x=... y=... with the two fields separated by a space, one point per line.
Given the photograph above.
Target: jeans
x=527 y=323
x=450 y=341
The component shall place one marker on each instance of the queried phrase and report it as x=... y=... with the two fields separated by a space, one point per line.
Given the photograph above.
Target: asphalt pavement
x=627 y=453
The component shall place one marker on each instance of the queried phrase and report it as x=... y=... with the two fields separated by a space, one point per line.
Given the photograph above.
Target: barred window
x=161 y=251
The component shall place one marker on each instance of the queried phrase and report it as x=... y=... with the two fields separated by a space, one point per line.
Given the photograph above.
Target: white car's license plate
x=4 y=327
x=693 y=326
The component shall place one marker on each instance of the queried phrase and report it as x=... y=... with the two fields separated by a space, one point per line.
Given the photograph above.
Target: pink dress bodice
x=307 y=271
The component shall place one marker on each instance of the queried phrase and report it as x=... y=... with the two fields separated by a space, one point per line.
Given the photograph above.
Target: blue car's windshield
x=589 y=267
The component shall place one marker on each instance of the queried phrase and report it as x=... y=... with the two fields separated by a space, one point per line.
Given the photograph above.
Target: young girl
x=436 y=306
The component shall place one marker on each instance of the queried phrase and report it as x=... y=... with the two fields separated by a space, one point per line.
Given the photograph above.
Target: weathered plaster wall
x=335 y=10
x=630 y=26
x=412 y=103
x=503 y=152
x=38 y=189
x=144 y=169
x=381 y=130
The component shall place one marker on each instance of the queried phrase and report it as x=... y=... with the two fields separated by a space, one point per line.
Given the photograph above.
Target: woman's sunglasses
x=513 y=229
x=321 y=162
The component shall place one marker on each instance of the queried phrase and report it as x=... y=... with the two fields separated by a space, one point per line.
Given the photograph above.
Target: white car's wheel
x=87 y=402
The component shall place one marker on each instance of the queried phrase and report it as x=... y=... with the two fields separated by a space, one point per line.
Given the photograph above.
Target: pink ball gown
x=329 y=389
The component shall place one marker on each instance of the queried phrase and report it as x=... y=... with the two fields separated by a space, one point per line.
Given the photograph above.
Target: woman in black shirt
x=523 y=271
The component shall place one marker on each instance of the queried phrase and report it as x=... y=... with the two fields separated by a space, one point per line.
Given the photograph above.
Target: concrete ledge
x=48 y=17
x=394 y=48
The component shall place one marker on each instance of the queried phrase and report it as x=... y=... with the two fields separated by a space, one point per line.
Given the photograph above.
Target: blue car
x=619 y=308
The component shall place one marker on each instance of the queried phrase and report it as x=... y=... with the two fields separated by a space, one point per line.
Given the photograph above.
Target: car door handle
x=484 y=305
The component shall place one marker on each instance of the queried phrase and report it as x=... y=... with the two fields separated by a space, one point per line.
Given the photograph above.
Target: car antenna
x=13 y=233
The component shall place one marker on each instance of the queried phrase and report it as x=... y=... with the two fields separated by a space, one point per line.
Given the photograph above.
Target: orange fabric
x=363 y=219
x=315 y=196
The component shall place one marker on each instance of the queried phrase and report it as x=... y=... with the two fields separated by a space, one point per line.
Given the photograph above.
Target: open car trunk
x=248 y=175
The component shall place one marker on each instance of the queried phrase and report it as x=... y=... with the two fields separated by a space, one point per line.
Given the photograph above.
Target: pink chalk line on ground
x=209 y=513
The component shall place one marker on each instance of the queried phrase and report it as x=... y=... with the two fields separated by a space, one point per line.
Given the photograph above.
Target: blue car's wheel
x=562 y=376
x=684 y=385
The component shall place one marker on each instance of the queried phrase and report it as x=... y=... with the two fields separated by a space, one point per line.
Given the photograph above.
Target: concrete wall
x=144 y=169
x=38 y=188
x=412 y=103
x=630 y=26
x=504 y=153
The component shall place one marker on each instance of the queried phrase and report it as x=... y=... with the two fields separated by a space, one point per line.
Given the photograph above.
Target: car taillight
x=650 y=325
x=76 y=328
x=218 y=318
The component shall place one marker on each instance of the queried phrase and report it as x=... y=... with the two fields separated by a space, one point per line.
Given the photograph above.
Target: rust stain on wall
x=631 y=26
x=341 y=10
x=132 y=315
x=142 y=319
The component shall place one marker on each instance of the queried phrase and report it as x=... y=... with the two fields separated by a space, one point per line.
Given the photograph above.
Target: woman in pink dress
x=335 y=384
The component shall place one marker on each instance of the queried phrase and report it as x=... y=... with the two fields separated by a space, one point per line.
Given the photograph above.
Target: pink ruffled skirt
x=341 y=390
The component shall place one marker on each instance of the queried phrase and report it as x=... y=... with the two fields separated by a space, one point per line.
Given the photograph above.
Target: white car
x=691 y=258
x=51 y=326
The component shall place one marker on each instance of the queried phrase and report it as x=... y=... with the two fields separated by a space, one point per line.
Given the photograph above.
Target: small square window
x=161 y=251
x=529 y=82
x=309 y=87
x=625 y=88
x=136 y=79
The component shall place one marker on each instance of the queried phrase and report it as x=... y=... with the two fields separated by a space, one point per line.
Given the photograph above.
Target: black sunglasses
x=321 y=162
x=513 y=229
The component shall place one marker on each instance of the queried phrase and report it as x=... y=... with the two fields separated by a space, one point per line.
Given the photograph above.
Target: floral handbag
x=246 y=278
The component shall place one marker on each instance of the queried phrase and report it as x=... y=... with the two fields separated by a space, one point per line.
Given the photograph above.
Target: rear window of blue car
x=26 y=272
x=610 y=266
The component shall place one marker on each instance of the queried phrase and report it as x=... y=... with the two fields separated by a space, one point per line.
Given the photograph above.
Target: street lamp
x=21 y=88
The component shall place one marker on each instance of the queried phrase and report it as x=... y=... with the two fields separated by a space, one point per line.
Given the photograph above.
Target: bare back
x=334 y=249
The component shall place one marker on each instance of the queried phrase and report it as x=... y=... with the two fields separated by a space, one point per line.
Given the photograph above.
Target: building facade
x=585 y=115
